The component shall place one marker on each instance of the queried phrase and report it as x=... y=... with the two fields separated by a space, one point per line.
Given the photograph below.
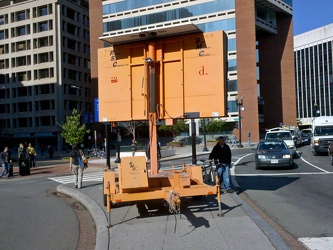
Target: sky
x=311 y=14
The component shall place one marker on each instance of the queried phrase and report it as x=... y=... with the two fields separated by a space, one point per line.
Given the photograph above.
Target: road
x=35 y=218
x=300 y=200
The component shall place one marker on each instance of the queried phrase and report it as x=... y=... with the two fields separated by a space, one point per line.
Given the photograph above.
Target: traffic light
x=114 y=127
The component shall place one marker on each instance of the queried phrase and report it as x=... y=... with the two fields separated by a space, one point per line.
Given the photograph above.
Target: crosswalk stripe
x=86 y=177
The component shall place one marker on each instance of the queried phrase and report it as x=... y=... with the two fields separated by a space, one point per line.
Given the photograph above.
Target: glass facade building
x=314 y=73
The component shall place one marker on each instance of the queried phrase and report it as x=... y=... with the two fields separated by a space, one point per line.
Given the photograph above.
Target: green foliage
x=72 y=130
x=188 y=140
x=214 y=126
x=175 y=129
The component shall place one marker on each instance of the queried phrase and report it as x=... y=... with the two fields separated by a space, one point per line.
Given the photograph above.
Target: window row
x=26 y=30
x=25 y=14
x=26 y=60
x=75 y=30
x=26 y=45
x=127 y=5
x=75 y=15
x=169 y=15
x=26 y=122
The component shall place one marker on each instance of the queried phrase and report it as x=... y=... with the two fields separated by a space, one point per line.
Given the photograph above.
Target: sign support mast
x=151 y=60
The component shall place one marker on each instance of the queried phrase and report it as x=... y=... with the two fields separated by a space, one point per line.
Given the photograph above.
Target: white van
x=322 y=134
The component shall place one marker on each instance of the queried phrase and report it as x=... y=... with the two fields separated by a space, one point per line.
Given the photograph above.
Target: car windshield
x=324 y=130
x=271 y=146
x=279 y=135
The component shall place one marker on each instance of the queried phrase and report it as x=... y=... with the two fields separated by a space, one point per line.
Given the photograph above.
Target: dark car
x=306 y=136
x=273 y=153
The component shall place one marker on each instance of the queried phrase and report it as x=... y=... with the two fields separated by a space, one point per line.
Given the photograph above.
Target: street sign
x=236 y=119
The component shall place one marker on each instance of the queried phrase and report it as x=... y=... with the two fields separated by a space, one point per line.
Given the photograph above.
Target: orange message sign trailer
x=161 y=78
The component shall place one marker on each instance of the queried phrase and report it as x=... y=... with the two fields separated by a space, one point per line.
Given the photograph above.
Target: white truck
x=322 y=134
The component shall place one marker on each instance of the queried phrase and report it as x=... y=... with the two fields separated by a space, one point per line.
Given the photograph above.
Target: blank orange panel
x=173 y=89
x=138 y=89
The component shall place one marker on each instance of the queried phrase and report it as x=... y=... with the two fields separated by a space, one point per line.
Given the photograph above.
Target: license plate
x=274 y=161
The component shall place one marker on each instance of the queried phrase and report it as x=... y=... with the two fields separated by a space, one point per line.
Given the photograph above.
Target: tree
x=72 y=130
x=214 y=126
x=174 y=129
x=131 y=127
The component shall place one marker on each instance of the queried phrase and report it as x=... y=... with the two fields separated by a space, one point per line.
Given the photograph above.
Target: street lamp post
x=316 y=110
x=204 y=133
x=240 y=109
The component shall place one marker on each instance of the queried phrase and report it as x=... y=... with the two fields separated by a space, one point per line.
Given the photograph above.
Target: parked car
x=306 y=136
x=273 y=153
x=284 y=135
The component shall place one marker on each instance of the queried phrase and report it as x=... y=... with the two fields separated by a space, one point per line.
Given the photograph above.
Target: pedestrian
x=233 y=139
x=31 y=156
x=21 y=155
x=5 y=159
x=221 y=154
x=134 y=146
x=74 y=165
x=50 y=151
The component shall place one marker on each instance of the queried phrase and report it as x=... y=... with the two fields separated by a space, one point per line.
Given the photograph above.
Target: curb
x=270 y=233
x=96 y=212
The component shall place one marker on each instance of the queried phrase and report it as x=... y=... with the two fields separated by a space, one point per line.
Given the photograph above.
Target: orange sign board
x=190 y=76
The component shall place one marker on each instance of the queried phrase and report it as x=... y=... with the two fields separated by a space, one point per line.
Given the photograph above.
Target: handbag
x=81 y=164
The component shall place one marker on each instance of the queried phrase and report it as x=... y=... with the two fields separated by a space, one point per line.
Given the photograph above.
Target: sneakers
x=230 y=191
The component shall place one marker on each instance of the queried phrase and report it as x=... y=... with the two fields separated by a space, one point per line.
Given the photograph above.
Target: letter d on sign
x=202 y=71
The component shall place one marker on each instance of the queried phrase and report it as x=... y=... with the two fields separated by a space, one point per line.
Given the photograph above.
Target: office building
x=260 y=48
x=44 y=68
x=314 y=73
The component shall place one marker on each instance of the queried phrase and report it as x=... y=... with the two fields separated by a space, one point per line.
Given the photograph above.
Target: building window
x=71 y=44
x=43 y=73
x=21 y=61
x=2 y=20
x=21 y=31
x=42 y=11
x=71 y=13
x=2 y=34
x=21 y=16
x=43 y=27
x=43 y=42
x=43 y=58
x=71 y=28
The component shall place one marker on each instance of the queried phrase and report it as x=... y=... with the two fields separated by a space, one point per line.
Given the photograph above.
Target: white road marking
x=86 y=177
x=314 y=165
x=313 y=243
x=233 y=178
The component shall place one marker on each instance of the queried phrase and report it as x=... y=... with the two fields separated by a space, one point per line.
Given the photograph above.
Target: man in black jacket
x=221 y=154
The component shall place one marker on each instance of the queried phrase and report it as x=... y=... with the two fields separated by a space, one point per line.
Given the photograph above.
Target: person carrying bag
x=77 y=165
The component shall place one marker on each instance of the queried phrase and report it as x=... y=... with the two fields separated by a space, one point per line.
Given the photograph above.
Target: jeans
x=78 y=175
x=5 y=168
x=223 y=174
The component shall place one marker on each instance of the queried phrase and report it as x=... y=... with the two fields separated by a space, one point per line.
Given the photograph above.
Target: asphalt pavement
x=198 y=226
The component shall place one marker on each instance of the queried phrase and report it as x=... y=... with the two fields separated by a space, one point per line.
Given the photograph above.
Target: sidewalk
x=197 y=227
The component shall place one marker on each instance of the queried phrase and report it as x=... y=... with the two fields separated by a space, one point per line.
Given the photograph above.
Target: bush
x=188 y=140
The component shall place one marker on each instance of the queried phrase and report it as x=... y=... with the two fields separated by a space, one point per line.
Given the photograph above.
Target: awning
x=151 y=31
